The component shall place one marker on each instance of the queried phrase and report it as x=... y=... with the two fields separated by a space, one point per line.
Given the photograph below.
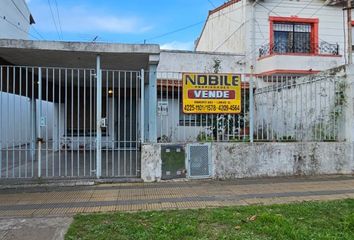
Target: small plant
x=287 y=139
x=163 y=139
x=203 y=137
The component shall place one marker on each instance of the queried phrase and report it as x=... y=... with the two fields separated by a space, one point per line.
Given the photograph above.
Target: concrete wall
x=15 y=120
x=199 y=62
x=295 y=63
x=15 y=26
x=237 y=160
x=225 y=30
x=151 y=162
x=249 y=160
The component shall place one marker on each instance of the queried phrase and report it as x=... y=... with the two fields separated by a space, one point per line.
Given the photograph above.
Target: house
x=15 y=19
x=278 y=37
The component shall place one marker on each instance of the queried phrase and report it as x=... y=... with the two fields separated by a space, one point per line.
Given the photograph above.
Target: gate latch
x=103 y=123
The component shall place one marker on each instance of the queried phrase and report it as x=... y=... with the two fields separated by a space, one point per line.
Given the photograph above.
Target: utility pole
x=349 y=19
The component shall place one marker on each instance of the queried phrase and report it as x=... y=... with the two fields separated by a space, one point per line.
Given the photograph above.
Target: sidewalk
x=68 y=201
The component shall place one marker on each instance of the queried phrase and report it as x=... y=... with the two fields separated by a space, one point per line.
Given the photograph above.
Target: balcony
x=298 y=60
x=323 y=48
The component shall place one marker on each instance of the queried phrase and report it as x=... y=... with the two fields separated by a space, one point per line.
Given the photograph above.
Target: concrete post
x=142 y=106
x=146 y=112
x=346 y=133
x=153 y=62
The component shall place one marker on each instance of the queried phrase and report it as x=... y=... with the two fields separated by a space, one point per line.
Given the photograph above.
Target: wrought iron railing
x=303 y=48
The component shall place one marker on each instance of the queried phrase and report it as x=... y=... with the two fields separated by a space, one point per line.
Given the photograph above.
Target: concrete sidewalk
x=67 y=201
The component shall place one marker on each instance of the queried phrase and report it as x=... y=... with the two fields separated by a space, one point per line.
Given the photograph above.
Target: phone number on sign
x=211 y=108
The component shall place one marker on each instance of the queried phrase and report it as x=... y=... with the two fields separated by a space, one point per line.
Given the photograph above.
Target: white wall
x=250 y=160
x=217 y=35
x=15 y=26
x=170 y=126
x=296 y=63
x=15 y=120
x=199 y=62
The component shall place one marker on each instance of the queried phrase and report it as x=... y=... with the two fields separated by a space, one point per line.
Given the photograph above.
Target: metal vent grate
x=199 y=160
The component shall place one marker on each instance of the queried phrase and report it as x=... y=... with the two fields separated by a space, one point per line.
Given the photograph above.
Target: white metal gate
x=49 y=126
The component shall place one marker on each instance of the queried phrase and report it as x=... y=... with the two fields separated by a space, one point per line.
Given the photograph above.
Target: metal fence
x=48 y=122
x=175 y=126
x=299 y=109
x=286 y=108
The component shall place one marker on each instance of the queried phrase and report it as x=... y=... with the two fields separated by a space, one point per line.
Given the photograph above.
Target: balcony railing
x=323 y=47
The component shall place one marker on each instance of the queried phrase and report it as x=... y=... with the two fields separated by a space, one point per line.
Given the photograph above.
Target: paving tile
x=181 y=195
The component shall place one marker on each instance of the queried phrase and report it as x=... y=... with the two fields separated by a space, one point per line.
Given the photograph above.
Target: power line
x=280 y=15
x=61 y=31
x=175 y=31
x=26 y=19
x=228 y=38
x=270 y=10
x=16 y=26
x=302 y=9
x=53 y=18
x=191 y=25
x=211 y=3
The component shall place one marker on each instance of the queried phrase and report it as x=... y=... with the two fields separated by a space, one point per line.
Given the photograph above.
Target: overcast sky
x=123 y=21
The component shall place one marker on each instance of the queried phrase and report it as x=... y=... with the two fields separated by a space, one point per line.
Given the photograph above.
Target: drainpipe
x=253 y=61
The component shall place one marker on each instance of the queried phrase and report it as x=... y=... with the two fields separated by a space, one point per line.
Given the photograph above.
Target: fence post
x=251 y=107
x=39 y=133
x=98 y=117
x=153 y=62
x=142 y=106
x=347 y=129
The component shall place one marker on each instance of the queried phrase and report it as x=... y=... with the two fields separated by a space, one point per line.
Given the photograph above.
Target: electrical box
x=173 y=162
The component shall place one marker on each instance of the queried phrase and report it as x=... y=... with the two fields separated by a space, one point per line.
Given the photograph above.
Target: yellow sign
x=211 y=93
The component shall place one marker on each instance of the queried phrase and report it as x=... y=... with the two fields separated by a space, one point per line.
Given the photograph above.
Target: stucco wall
x=15 y=26
x=151 y=162
x=240 y=160
x=249 y=160
x=15 y=120
x=187 y=61
x=225 y=30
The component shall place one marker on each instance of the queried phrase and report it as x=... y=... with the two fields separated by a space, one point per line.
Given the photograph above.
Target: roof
x=225 y=5
x=77 y=54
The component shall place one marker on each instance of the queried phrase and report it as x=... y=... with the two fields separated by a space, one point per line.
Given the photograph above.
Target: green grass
x=309 y=220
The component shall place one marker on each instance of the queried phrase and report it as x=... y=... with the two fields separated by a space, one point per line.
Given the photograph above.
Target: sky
x=122 y=21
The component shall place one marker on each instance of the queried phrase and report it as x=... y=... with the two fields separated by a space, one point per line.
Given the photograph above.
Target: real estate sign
x=211 y=93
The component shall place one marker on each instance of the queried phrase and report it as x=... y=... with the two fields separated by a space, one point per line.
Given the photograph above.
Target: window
x=292 y=38
x=293 y=35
